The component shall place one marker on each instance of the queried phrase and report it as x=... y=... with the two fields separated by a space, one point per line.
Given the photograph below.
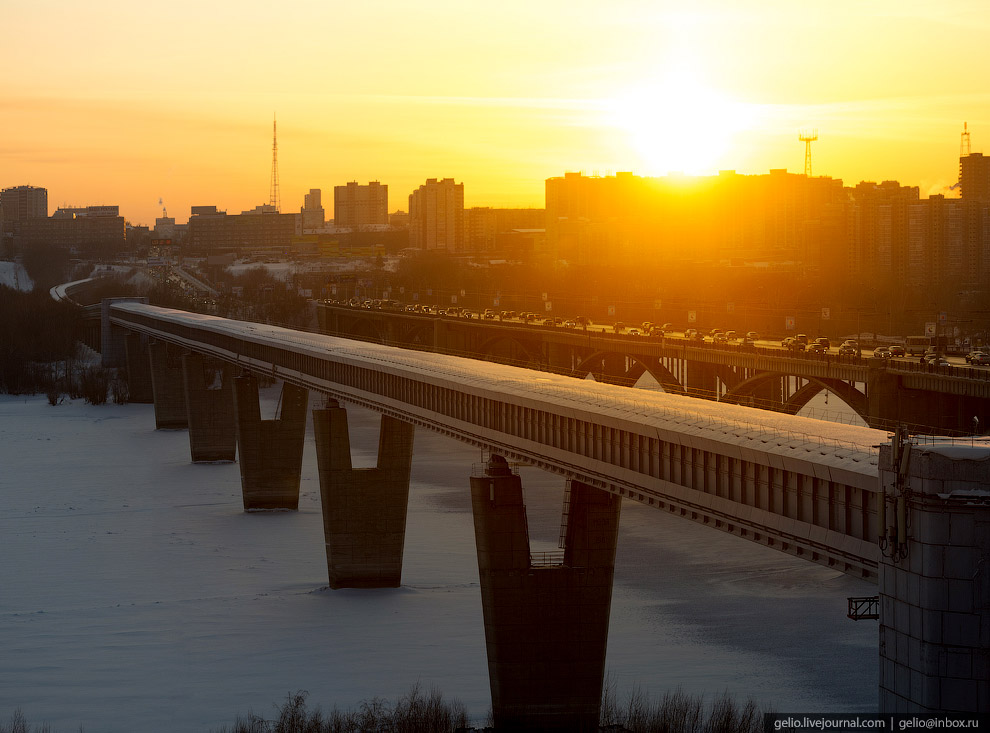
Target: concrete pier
x=935 y=578
x=701 y=380
x=270 y=450
x=139 y=387
x=546 y=626
x=364 y=509
x=770 y=394
x=167 y=386
x=210 y=409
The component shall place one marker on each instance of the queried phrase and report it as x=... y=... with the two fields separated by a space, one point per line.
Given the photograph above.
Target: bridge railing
x=950 y=371
x=548 y=558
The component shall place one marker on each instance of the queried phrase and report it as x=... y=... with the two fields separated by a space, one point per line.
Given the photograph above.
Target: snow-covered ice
x=135 y=594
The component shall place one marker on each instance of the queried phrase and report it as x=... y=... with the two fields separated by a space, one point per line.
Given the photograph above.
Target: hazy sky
x=123 y=102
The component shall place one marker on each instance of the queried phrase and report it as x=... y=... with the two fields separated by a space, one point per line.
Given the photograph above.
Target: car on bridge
x=817 y=348
x=897 y=350
x=881 y=352
x=974 y=354
x=665 y=328
x=752 y=335
x=981 y=359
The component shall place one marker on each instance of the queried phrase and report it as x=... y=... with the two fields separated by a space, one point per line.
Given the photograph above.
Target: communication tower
x=964 y=148
x=807 y=137
x=273 y=196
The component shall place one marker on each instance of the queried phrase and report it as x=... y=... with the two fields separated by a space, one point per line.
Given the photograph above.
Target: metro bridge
x=817 y=490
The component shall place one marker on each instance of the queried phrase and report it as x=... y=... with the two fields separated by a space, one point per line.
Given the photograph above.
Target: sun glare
x=677 y=124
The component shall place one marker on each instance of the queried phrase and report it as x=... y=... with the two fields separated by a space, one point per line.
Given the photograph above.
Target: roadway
x=631 y=331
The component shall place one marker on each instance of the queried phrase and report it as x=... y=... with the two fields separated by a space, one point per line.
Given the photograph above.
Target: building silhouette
x=261 y=231
x=360 y=207
x=490 y=230
x=436 y=216
x=974 y=177
x=87 y=230
x=775 y=218
x=313 y=215
x=21 y=203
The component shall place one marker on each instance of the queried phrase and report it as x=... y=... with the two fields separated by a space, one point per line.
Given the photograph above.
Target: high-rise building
x=483 y=225
x=436 y=216
x=21 y=203
x=313 y=215
x=974 y=177
x=877 y=232
x=360 y=207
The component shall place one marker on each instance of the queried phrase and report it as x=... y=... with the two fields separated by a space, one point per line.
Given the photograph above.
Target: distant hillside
x=13 y=275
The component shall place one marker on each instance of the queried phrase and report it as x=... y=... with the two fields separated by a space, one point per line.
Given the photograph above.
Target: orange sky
x=117 y=102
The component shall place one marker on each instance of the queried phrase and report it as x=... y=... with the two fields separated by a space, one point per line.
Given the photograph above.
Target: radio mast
x=273 y=196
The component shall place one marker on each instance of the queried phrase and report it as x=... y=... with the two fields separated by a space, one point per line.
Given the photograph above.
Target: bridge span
x=809 y=488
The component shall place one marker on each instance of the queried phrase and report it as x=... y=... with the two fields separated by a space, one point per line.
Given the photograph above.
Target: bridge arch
x=855 y=399
x=666 y=379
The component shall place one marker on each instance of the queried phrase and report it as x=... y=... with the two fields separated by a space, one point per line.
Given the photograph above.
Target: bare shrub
x=19 y=724
x=412 y=713
x=94 y=382
x=119 y=391
x=680 y=712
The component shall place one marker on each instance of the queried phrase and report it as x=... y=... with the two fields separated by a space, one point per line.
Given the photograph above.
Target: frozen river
x=135 y=594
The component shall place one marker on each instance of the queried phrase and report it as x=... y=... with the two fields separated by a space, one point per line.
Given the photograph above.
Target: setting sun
x=677 y=124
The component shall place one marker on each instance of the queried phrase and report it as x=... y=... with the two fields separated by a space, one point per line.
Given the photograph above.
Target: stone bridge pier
x=167 y=386
x=138 y=363
x=209 y=409
x=364 y=509
x=546 y=626
x=271 y=451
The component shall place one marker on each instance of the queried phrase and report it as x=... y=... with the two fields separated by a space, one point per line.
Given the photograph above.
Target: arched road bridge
x=883 y=392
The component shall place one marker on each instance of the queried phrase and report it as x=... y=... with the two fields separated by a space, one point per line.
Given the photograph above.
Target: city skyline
x=501 y=100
